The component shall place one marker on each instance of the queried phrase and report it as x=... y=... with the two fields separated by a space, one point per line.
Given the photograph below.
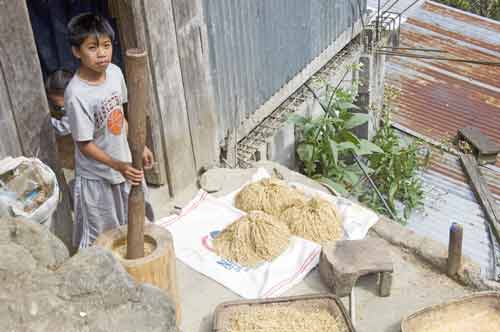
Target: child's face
x=95 y=53
x=56 y=99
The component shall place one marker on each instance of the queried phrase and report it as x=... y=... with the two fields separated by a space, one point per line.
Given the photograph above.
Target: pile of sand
x=253 y=238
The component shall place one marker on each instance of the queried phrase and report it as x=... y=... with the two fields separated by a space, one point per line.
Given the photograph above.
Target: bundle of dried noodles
x=269 y=195
x=316 y=220
x=253 y=238
x=283 y=319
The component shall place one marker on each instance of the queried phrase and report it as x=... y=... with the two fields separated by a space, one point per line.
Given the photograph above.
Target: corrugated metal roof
x=439 y=97
x=450 y=199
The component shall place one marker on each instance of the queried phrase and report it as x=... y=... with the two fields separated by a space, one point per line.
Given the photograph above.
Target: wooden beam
x=198 y=90
x=480 y=141
x=26 y=94
x=482 y=192
x=485 y=148
x=131 y=30
x=169 y=92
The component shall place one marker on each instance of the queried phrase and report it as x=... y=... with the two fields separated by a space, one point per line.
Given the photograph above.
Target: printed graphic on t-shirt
x=115 y=121
x=111 y=114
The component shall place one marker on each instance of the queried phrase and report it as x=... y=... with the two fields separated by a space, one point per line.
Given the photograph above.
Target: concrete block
x=211 y=181
x=281 y=148
x=433 y=253
x=224 y=180
x=397 y=234
x=261 y=153
x=371 y=92
x=343 y=262
x=317 y=110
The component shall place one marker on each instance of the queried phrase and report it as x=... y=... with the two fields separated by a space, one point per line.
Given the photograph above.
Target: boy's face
x=95 y=53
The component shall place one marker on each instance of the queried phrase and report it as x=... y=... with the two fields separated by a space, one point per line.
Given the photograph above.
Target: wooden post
x=455 y=249
x=136 y=74
x=385 y=284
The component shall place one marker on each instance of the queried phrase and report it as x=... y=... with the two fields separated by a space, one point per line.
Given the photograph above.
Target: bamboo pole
x=135 y=63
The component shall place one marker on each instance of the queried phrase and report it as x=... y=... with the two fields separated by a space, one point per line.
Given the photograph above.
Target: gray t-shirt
x=95 y=113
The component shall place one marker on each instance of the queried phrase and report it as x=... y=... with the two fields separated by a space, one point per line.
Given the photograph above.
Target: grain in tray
x=273 y=318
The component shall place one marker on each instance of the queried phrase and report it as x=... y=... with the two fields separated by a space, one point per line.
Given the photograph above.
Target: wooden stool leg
x=385 y=284
x=352 y=308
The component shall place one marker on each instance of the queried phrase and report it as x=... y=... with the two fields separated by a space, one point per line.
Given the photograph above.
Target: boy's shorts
x=100 y=206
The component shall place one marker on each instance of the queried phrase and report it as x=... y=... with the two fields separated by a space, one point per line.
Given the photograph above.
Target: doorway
x=49 y=21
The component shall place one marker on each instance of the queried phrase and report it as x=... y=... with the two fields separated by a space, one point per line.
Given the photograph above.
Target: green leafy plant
x=395 y=171
x=487 y=8
x=327 y=141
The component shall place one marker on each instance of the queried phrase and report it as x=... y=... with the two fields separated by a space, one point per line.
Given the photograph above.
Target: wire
x=413 y=49
x=418 y=56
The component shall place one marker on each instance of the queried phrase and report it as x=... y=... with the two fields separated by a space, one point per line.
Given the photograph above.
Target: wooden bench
x=342 y=263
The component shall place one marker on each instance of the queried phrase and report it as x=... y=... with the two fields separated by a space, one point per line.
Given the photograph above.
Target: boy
x=55 y=84
x=94 y=103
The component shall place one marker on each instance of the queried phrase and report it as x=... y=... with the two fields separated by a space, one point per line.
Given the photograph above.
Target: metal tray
x=476 y=313
x=224 y=310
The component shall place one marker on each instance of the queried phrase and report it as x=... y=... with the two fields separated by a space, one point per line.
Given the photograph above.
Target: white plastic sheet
x=200 y=222
x=205 y=216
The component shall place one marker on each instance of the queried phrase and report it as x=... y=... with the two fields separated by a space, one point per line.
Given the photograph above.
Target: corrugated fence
x=256 y=46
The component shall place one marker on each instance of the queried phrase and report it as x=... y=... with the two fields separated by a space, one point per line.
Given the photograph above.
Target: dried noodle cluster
x=317 y=220
x=253 y=238
x=269 y=195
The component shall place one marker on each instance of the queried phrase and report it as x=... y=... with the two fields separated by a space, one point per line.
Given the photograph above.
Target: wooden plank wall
x=23 y=83
x=169 y=92
x=184 y=120
x=192 y=43
x=9 y=144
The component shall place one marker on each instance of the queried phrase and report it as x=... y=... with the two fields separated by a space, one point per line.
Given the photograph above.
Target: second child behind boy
x=94 y=103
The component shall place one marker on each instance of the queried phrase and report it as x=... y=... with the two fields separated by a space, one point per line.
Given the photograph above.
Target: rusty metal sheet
x=439 y=97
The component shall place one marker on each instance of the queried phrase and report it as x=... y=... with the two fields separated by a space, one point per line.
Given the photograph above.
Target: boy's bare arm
x=147 y=155
x=89 y=149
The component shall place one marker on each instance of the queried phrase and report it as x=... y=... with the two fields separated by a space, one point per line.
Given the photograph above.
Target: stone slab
x=343 y=262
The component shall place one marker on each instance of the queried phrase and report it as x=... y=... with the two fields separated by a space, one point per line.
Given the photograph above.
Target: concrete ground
x=415 y=285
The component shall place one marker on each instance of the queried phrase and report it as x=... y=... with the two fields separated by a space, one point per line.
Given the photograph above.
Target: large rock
x=44 y=246
x=40 y=291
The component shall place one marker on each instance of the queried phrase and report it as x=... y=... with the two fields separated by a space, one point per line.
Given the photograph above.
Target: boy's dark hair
x=88 y=24
x=58 y=81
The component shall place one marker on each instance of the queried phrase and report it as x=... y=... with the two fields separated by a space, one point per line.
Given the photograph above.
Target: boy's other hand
x=133 y=175
x=147 y=158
